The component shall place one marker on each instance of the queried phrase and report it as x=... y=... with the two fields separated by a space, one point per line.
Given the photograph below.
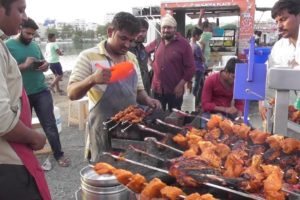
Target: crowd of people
x=175 y=62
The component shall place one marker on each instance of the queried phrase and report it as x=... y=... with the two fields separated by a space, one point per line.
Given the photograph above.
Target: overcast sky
x=95 y=10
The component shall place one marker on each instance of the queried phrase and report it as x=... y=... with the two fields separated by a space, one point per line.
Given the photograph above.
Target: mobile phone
x=37 y=64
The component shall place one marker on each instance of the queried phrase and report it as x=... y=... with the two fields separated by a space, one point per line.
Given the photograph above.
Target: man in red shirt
x=173 y=65
x=217 y=94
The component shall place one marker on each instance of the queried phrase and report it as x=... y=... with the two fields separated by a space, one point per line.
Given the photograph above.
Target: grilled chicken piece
x=193 y=141
x=137 y=183
x=181 y=140
x=256 y=150
x=226 y=126
x=274 y=141
x=234 y=164
x=207 y=197
x=258 y=137
x=104 y=168
x=213 y=135
x=290 y=145
x=121 y=114
x=241 y=131
x=198 y=132
x=123 y=176
x=273 y=183
x=254 y=175
x=190 y=153
x=171 y=193
x=271 y=155
x=208 y=154
x=214 y=121
x=222 y=150
x=291 y=176
x=182 y=168
x=194 y=196
x=152 y=189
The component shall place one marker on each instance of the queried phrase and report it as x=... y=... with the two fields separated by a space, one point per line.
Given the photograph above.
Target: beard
x=168 y=36
x=24 y=40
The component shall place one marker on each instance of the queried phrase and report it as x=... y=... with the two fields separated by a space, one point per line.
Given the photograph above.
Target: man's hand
x=44 y=67
x=38 y=141
x=101 y=76
x=153 y=103
x=231 y=110
x=179 y=89
x=262 y=110
x=28 y=62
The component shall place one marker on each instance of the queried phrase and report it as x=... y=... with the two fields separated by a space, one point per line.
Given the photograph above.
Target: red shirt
x=173 y=62
x=215 y=94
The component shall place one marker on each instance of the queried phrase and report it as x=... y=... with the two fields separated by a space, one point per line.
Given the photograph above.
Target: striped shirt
x=86 y=66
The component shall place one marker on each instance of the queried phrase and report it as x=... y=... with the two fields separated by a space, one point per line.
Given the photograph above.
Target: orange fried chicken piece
x=234 y=164
x=290 y=145
x=137 y=183
x=198 y=132
x=255 y=174
x=207 y=197
x=104 y=168
x=274 y=141
x=123 y=176
x=291 y=176
x=190 y=153
x=273 y=183
x=258 y=137
x=213 y=134
x=194 y=196
x=171 y=193
x=181 y=140
x=226 y=126
x=214 y=121
x=152 y=189
x=241 y=130
x=222 y=150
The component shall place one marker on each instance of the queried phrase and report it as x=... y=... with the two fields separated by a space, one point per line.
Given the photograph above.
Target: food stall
x=227 y=160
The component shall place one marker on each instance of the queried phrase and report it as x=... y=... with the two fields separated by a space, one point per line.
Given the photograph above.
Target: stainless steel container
x=101 y=187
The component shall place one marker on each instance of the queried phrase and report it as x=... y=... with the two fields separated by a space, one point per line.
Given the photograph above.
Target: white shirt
x=282 y=54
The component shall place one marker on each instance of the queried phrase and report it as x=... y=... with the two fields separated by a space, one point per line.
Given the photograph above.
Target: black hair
x=291 y=6
x=230 y=65
x=51 y=35
x=6 y=4
x=126 y=21
x=196 y=31
x=143 y=23
x=29 y=23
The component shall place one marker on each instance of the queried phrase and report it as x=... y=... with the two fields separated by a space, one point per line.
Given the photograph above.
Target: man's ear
x=110 y=31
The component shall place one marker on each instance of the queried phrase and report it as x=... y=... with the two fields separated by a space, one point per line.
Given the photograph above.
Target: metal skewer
x=188 y=115
x=152 y=139
x=125 y=129
x=114 y=126
x=167 y=124
x=256 y=94
x=124 y=122
x=143 y=127
x=147 y=154
x=107 y=122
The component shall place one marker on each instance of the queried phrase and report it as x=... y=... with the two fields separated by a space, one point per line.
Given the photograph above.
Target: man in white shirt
x=287 y=16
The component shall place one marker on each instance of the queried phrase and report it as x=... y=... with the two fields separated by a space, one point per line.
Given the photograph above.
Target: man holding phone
x=32 y=65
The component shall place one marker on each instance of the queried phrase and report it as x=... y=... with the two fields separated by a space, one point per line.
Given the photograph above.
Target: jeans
x=43 y=105
x=170 y=99
x=197 y=89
